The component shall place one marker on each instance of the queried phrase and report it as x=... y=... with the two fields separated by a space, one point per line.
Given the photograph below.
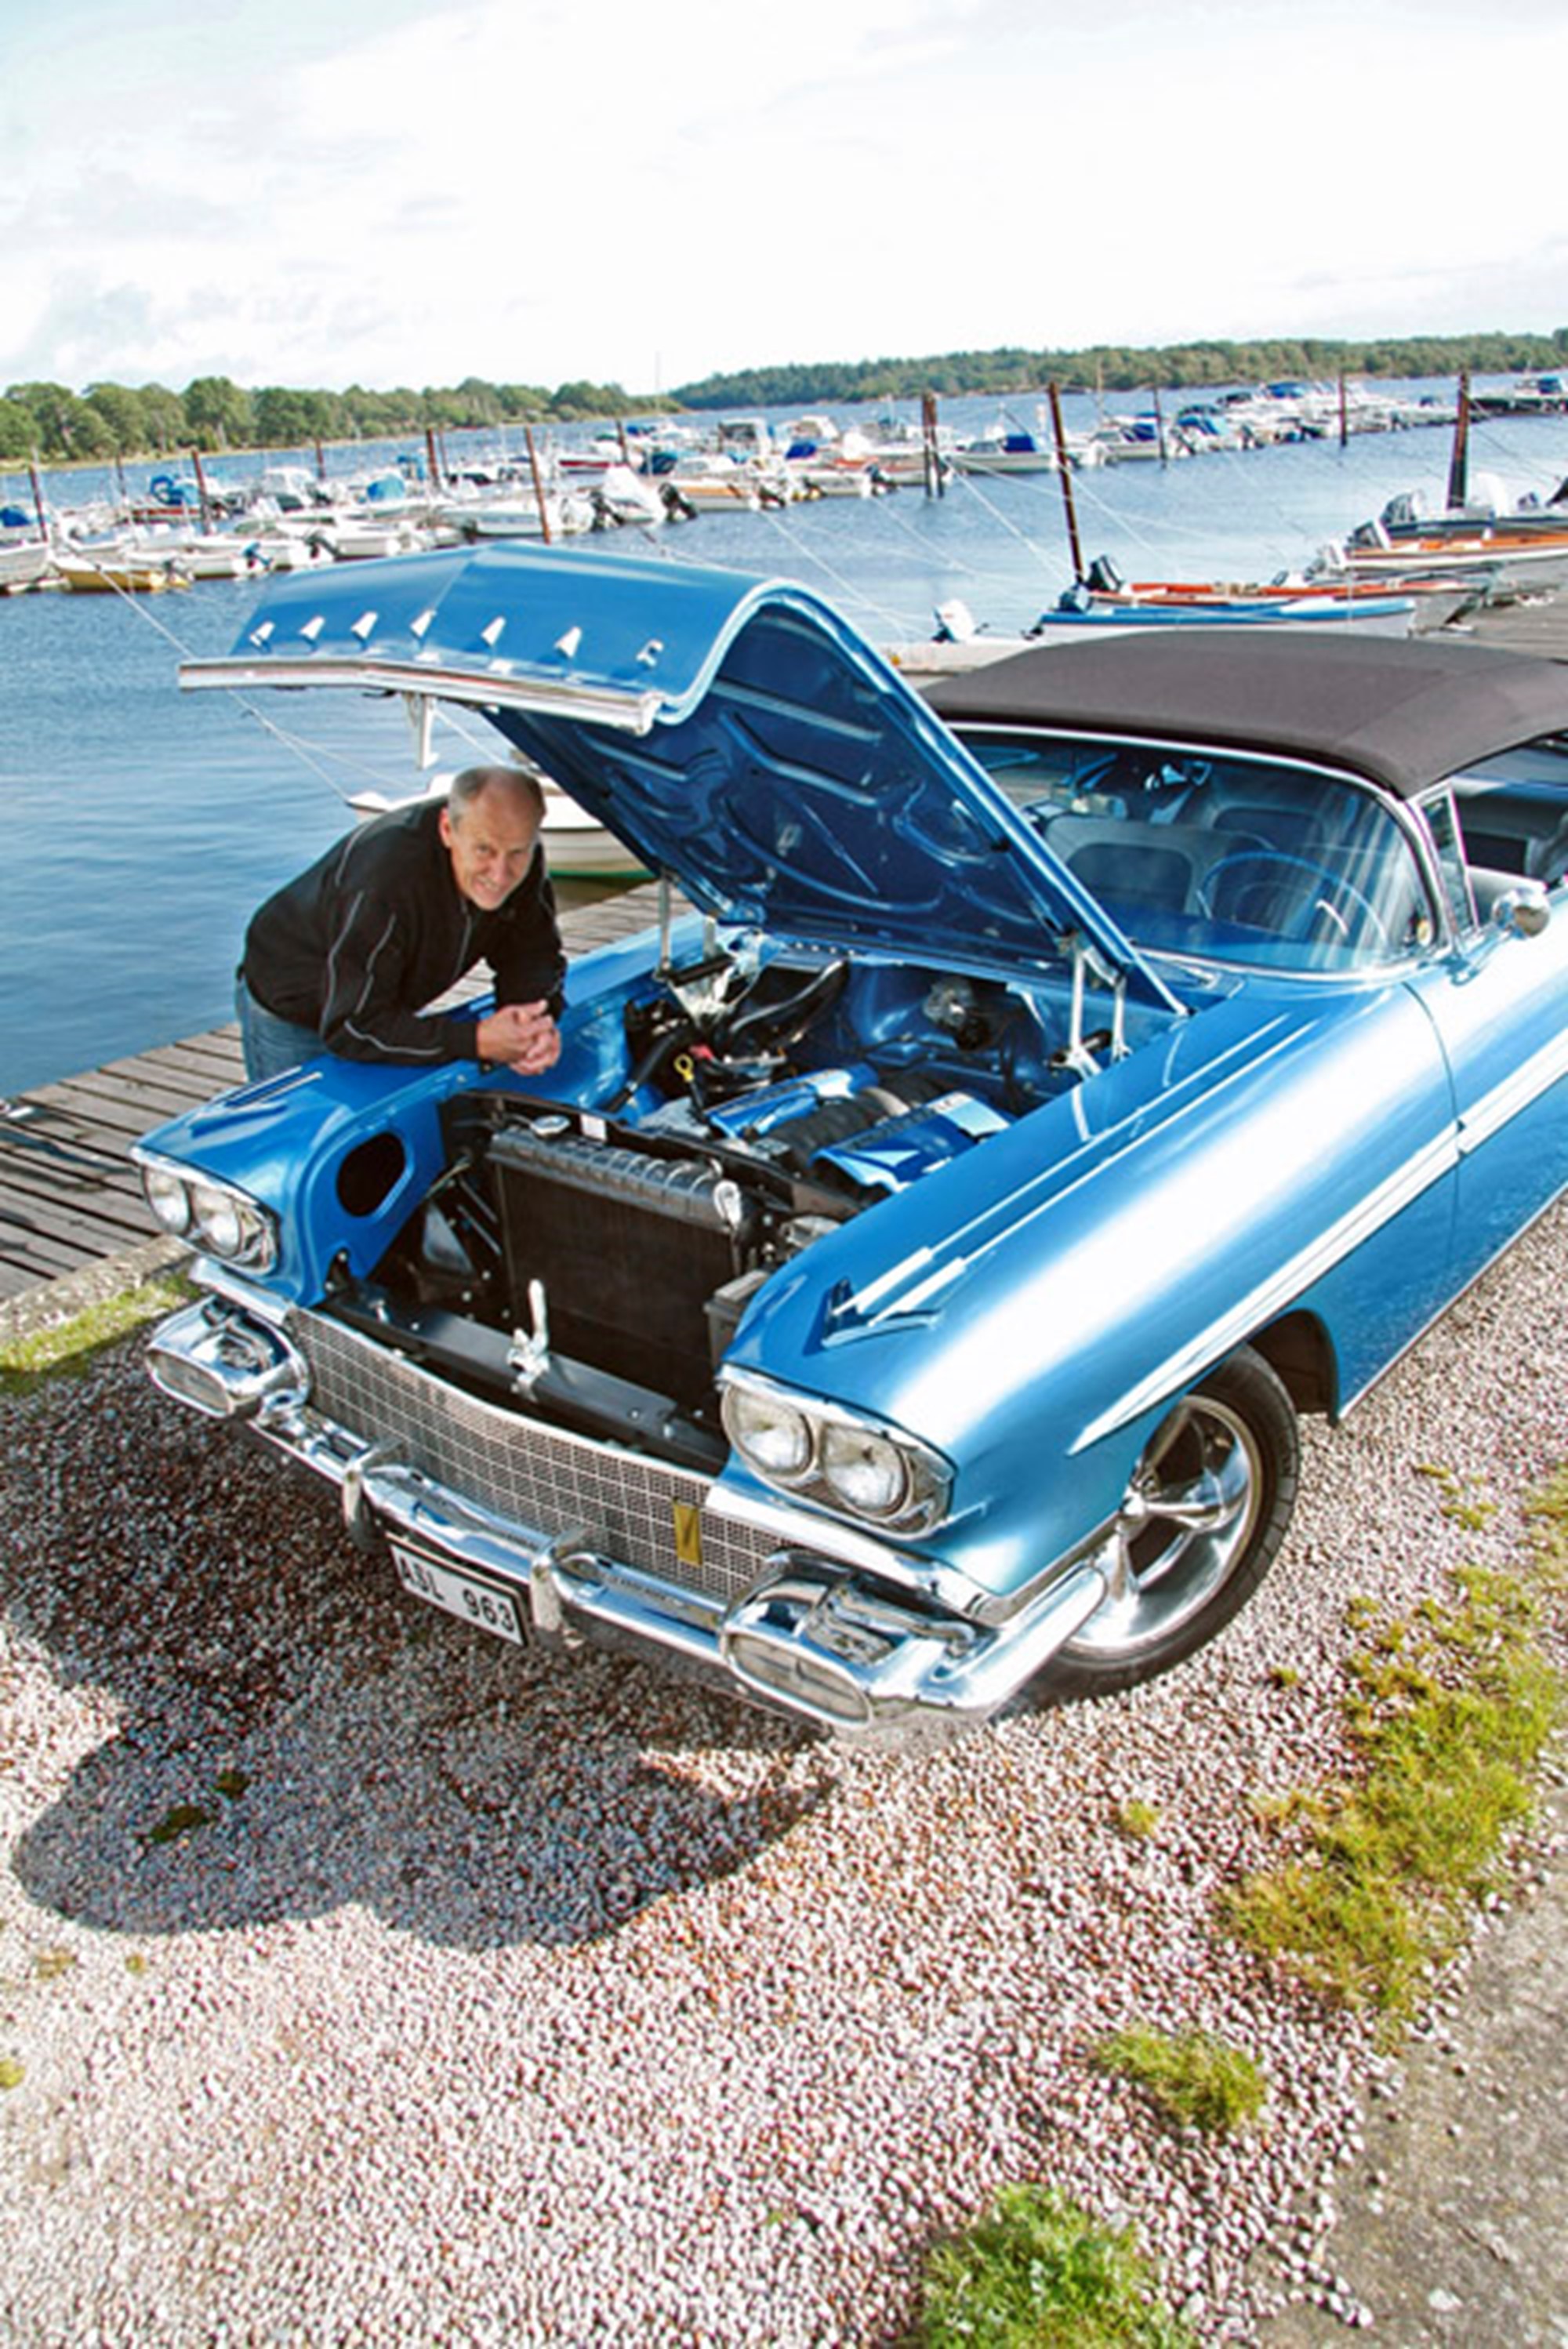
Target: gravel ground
x=485 y=1999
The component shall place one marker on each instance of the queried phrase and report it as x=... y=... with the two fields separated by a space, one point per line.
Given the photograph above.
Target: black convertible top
x=1404 y=711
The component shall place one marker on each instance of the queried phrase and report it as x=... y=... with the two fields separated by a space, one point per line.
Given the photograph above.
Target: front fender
x=1032 y=1310
x=341 y=1152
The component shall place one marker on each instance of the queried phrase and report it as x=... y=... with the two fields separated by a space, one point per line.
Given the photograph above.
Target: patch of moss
x=1196 y=2080
x=1464 y=1504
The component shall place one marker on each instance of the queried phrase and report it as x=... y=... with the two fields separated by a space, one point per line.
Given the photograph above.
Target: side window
x=1442 y=822
x=1512 y=815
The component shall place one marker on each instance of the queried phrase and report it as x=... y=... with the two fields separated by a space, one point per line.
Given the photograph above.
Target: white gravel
x=506 y=2001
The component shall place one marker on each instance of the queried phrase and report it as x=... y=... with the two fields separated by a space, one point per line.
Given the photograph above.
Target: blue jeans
x=270 y=1044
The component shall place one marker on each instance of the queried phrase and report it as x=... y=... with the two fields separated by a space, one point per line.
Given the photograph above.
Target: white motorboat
x=24 y=562
x=201 y=555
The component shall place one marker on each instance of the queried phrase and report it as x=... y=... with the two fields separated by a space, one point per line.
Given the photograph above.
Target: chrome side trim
x=1505 y=1102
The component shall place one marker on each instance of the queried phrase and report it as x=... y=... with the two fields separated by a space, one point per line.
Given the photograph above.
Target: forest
x=53 y=424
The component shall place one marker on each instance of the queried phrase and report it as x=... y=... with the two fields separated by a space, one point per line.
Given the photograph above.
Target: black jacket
x=377 y=928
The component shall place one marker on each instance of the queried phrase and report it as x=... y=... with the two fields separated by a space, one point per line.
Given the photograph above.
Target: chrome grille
x=541 y=1478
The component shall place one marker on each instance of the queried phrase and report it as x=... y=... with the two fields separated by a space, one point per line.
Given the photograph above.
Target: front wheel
x=1203 y=1519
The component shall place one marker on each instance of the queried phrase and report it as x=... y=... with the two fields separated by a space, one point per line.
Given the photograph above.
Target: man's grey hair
x=473 y=781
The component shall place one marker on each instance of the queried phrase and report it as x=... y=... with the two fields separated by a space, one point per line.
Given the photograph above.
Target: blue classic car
x=903 y=1293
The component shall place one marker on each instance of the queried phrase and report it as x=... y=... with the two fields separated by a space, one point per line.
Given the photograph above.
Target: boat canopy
x=736 y=734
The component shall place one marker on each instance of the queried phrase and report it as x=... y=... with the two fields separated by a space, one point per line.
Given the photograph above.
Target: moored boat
x=119 y=570
x=1070 y=621
x=1505 y=558
x=24 y=562
x=1078 y=617
x=1435 y=601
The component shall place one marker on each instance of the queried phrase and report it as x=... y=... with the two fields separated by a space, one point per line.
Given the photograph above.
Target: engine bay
x=596 y=1262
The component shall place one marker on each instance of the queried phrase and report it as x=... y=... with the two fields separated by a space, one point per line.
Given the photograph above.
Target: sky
x=387 y=192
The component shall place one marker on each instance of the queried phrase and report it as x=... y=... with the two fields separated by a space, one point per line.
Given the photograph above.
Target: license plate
x=490 y=1605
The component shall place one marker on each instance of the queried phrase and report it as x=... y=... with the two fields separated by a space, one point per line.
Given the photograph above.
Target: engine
x=597 y=1262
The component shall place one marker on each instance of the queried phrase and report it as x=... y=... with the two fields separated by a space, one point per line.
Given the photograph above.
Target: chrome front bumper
x=643 y=1553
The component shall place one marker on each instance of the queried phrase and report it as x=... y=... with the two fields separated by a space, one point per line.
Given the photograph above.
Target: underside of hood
x=736 y=734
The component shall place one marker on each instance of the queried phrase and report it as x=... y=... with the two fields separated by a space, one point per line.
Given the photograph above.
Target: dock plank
x=1536 y=624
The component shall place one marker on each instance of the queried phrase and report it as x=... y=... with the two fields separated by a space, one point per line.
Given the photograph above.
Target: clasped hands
x=521 y=1037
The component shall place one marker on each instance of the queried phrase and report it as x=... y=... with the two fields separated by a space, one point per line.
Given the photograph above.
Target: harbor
x=205 y=517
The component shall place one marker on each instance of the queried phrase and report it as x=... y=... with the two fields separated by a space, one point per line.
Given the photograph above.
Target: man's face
x=491 y=844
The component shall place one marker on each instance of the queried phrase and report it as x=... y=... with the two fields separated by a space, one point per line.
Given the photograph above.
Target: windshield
x=1230 y=859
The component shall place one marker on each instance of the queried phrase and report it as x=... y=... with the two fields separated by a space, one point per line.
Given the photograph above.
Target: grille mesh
x=541 y=1478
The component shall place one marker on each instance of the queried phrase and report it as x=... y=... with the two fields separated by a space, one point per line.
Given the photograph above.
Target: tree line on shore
x=50 y=422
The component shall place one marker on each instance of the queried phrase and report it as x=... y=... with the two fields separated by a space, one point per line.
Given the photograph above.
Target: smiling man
x=346 y=958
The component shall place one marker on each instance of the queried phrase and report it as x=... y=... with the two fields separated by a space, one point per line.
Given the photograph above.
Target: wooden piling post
x=931 y=452
x=1065 y=475
x=1458 y=462
x=537 y=484
x=202 y=490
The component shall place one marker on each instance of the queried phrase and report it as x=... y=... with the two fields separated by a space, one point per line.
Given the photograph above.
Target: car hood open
x=736 y=734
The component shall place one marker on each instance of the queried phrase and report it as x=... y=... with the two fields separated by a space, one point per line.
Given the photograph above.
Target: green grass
x=67 y=1346
x=1036 y=2272
x=1196 y=2080
x=1447 y=1714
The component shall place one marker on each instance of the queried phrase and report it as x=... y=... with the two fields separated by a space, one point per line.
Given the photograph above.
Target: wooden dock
x=1537 y=624
x=69 y=1196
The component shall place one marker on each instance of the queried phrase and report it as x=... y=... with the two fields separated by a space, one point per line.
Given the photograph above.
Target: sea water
x=141 y=824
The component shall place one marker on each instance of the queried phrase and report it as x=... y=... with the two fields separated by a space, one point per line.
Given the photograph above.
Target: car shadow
x=269 y=1729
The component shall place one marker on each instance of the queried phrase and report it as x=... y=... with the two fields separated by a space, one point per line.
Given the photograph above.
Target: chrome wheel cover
x=1185 y=1526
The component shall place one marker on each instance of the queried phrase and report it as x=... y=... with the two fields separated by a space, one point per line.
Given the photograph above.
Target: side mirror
x=1524 y=908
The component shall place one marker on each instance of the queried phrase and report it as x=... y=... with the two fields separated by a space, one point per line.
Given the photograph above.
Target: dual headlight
x=211 y=1217
x=821 y=1452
